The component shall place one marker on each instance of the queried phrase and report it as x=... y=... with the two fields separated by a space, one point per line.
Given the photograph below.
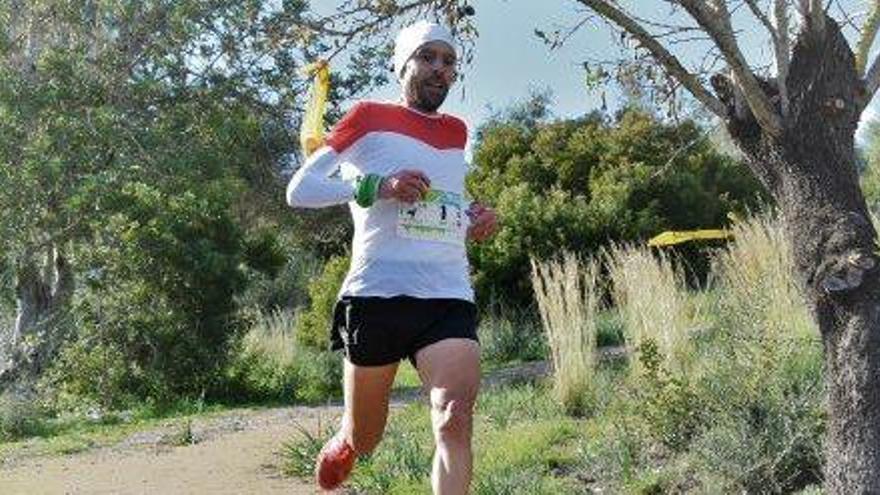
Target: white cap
x=412 y=37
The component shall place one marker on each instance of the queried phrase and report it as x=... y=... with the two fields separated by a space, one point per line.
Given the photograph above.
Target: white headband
x=412 y=37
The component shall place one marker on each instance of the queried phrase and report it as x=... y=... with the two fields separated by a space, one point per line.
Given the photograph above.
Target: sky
x=510 y=60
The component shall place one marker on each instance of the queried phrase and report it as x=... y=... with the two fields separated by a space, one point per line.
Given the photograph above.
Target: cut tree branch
x=669 y=62
x=716 y=22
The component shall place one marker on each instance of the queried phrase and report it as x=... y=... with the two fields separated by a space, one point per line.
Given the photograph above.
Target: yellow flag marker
x=311 y=133
x=671 y=237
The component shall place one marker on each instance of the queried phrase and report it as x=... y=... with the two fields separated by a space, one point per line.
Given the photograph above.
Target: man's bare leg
x=450 y=372
x=366 y=390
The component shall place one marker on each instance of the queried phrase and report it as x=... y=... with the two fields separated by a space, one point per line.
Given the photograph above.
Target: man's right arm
x=316 y=184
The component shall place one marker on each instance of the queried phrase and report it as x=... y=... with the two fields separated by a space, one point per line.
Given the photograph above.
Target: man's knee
x=452 y=414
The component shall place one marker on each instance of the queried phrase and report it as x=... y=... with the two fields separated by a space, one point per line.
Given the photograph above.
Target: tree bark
x=811 y=172
x=42 y=295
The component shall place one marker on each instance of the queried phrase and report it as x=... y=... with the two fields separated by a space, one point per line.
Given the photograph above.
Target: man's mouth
x=436 y=85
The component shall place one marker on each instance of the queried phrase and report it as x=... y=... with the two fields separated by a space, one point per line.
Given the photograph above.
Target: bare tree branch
x=869 y=32
x=782 y=47
x=716 y=21
x=669 y=62
x=756 y=10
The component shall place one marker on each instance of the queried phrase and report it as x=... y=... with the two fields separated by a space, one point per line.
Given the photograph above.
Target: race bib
x=440 y=216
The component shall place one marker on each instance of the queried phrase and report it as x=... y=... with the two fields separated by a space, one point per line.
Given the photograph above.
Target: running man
x=401 y=168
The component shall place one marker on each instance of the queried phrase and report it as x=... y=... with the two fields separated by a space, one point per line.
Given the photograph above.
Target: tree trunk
x=42 y=294
x=811 y=172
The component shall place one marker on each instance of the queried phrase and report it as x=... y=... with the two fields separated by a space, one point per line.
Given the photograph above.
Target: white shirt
x=398 y=249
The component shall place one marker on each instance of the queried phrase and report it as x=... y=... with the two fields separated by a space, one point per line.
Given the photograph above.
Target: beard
x=427 y=95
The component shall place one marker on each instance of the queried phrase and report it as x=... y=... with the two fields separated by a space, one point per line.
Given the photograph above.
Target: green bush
x=671 y=403
x=508 y=335
x=270 y=365
x=578 y=184
x=284 y=284
x=746 y=413
x=313 y=323
x=156 y=312
x=20 y=417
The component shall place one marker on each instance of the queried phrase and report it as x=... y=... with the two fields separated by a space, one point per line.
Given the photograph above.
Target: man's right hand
x=407 y=186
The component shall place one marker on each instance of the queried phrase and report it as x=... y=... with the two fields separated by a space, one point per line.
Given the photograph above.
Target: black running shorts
x=375 y=331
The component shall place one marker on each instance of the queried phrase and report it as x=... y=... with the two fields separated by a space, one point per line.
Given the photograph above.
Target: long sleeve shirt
x=398 y=249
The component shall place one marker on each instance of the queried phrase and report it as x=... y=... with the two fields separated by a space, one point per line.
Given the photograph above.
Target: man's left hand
x=484 y=222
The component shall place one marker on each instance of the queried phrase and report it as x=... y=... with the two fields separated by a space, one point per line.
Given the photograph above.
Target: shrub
x=282 y=288
x=270 y=364
x=579 y=184
x=313 y=324
x=156 y=311
x=20 y=417
x=508 y=335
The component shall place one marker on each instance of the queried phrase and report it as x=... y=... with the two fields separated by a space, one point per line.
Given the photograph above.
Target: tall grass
x=272 y=336
x=650 y=294
x=568 y=300
x=756 y=275
x=271 y=364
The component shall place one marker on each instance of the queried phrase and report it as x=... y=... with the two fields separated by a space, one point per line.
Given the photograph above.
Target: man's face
x=428 y=75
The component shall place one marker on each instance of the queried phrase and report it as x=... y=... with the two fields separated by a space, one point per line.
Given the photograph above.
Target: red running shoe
x=334 y=463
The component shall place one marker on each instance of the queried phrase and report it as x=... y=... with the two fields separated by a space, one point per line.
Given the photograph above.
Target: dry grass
x=272 y=336
x=568 y=300
x=756 y=276
x=650 y=294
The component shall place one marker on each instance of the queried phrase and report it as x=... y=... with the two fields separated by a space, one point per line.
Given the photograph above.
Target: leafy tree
x=190 y=100
x=579 y=184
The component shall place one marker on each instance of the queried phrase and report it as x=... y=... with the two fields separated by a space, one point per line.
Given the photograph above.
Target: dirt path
x=236 y=453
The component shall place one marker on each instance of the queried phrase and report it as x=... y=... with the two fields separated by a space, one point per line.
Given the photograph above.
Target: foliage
x=285 y=287
x=20 y=417
x=157 y=312
x=579 y=184
x=269 y=365
x=870 y=177
x=313 y=325
x=187 y=103
x=743 y=409
x=509 y=334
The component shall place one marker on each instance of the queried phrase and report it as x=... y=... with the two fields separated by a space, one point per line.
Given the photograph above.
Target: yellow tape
x=670 y=237
x=311 y=133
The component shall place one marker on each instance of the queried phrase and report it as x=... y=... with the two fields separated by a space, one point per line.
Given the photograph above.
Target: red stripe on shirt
x=442 y=131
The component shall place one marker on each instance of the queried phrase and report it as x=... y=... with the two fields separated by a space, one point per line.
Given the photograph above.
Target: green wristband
x=367 y=190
